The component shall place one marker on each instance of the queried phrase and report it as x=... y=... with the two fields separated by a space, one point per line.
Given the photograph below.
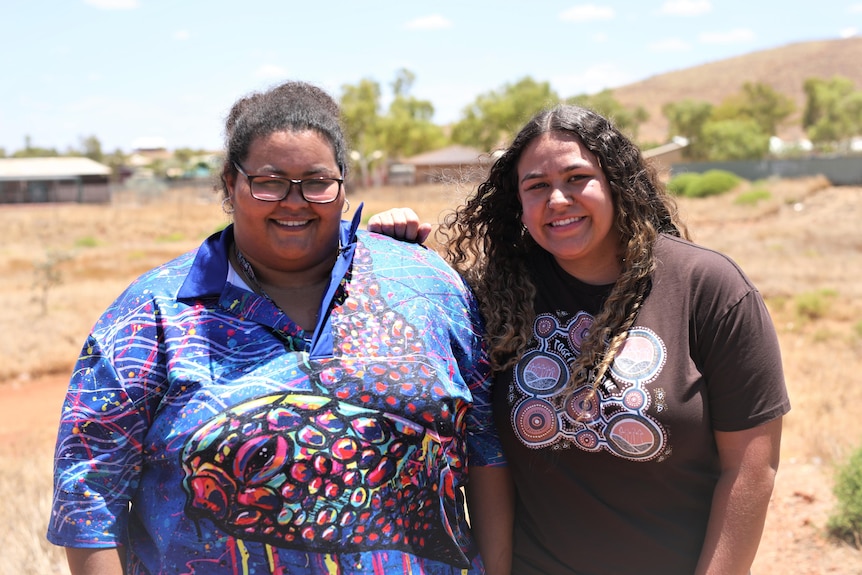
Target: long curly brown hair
x=487 y=243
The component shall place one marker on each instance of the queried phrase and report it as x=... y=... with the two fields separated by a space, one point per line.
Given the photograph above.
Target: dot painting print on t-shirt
x=613 y=417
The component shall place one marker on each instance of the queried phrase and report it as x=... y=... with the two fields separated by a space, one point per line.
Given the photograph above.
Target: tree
x=91 y=147
x=117 y=162
x=687 y=118
x=735 y=139
x=496 y=115
x=833 y=109
x=363 y=125
x=625 y=119
x=31 y=151
x=407 y=127
x=757 y=102
x=360 y=110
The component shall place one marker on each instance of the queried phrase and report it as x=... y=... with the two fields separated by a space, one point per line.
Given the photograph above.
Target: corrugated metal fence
x=843 y=171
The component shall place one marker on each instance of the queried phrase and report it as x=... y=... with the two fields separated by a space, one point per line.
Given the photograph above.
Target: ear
x=230 y=183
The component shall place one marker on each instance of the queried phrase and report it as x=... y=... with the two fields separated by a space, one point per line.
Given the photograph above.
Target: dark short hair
x=294 y=107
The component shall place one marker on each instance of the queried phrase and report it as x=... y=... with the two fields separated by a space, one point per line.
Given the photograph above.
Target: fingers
x=423 y=232
x=400 y=223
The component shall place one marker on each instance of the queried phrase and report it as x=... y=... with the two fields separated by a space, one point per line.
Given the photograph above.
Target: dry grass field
x=60 y=265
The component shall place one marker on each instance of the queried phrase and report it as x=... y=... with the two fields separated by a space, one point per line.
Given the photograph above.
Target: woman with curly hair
x=638 y=391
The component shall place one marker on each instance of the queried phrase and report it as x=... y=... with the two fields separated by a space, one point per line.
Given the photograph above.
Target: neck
x=298 y=295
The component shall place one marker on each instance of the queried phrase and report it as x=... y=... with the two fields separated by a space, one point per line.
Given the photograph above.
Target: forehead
x=555 y=148
x=297 y=146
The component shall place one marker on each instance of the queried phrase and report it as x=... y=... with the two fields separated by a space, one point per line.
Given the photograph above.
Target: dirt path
x=792 y=544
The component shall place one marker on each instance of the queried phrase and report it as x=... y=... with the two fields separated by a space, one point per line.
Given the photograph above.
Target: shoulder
x=388 y=250
x=688 y=260
x=710 y=281
x=168 y=277
x=158 y=284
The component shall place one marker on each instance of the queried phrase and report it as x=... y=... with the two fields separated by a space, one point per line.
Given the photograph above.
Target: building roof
x=452 y=155
x=676 y=144
x=50 y=168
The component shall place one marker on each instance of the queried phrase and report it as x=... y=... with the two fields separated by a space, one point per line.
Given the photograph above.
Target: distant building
x=663 y=157
x=451 y=164
x=64 y=179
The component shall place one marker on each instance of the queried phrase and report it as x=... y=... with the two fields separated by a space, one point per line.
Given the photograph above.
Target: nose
x=557 y=198
x=290 y=196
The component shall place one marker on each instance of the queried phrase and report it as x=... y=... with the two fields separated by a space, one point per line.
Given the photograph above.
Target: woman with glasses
x=294 y=396
x=638 y=386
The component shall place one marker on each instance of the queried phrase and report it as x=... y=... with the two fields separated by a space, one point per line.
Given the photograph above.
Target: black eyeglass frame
x=252 y=177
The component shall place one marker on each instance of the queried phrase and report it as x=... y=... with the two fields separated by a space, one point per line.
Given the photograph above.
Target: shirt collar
x=208 y=274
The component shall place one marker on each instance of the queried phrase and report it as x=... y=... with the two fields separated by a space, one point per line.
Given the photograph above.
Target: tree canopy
x=494 y=117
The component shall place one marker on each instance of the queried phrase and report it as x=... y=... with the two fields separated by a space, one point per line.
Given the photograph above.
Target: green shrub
x=171 y=237
x=679 y=184
x=86 y=242
x=712 y=183
x=814 y=305
x=846 y=521
x=752 y=196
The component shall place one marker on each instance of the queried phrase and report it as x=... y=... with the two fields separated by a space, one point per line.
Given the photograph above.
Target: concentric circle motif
x=633 y=437
x=641 y=358
x=583 y=405
x=545 y=325
x=578 y=329
x=635 y=399
x=587 y=439
x=535 y=422
x=540 y=373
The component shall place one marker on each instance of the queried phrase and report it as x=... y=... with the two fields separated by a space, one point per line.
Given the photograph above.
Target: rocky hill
x=785 y=69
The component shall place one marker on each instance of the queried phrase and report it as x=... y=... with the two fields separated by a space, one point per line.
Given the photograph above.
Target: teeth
x=565 y=222
x=292 y=223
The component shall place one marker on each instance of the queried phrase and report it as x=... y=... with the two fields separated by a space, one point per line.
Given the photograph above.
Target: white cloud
x=113 y=4
x=270 y=71
x=735 y=36
x=686 y=7
x=587 y=13
x=432 y=22
x=591 y=80
x=855 y=8
x=182 y=35
x=848 y=32
x=670 y=45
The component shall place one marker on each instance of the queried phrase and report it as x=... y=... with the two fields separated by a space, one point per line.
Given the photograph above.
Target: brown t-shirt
x=624 y=484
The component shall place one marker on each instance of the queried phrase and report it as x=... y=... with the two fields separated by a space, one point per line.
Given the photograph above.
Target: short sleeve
x=483 y=443
x=104 y=420
x=743 y=368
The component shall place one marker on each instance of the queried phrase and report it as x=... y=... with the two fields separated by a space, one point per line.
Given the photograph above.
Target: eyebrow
x=312 y=171
x=569 y=168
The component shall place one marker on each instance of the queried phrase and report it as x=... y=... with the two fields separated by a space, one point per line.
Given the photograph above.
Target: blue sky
x=169 y=70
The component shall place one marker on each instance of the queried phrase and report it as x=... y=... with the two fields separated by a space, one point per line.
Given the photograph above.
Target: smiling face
x=291 y=236
x=568 y=208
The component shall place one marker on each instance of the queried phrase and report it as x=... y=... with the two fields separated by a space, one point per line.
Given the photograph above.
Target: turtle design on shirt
x=309 y=472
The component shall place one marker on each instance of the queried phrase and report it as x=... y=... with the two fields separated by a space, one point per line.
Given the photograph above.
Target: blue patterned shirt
x=208 y=433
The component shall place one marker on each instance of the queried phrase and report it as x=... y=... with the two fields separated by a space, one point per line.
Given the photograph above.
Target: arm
x=96 y=561
x=401 y=224
x=749 y=462
x=491 y=503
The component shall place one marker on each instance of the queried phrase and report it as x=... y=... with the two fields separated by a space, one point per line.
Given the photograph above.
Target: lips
x=565 y=222
x=292 y=223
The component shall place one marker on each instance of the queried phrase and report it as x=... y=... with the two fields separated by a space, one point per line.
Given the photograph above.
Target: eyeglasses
x=274 y=188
